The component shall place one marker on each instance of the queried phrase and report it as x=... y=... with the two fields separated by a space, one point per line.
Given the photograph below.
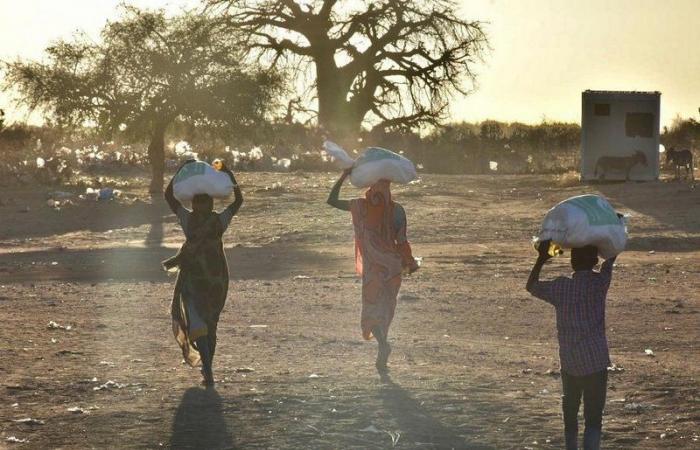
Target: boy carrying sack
x=579 y=302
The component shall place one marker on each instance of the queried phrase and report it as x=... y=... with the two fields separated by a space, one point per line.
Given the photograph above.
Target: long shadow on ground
x=420 y=428
x=199 y=422
x=144 y=264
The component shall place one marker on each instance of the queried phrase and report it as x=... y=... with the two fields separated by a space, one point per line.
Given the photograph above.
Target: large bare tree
x=386 y=63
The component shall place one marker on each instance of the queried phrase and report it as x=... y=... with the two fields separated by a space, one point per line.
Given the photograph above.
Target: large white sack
x=375 y=164
x=585 y=220
x=201 y=178
x=381 y=164
x=340 y=156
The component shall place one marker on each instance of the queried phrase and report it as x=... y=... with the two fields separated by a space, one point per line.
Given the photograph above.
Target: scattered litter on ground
x=77 y=410
x=282 y=165
x=68 y=352
x=649 y=352
x=301 y=277
x=614 y=368
x=15 y=440
x=245 y=370
x=257 y=326
x=314 y=375
x=29 y=421
x=55 y=326
x=395 y=436
x=109 y=385
x=638 y=407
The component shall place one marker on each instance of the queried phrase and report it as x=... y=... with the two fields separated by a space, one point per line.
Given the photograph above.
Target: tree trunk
x=156 y=156
x=334 y=112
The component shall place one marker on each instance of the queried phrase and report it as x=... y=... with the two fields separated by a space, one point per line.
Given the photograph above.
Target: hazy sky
x=544 y=52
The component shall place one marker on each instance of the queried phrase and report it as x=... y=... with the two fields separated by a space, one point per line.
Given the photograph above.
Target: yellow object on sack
x=553 y=250
x=218 y=164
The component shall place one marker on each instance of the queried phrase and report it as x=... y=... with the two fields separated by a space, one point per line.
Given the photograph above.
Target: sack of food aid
x=585 y=220
x=373 y=165
x=340 y=156
x=200 y=178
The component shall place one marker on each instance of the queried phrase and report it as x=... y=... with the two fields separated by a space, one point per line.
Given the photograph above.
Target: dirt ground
x=475 y=360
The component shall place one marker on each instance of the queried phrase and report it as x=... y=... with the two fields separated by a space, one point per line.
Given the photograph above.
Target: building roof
x=591 y=91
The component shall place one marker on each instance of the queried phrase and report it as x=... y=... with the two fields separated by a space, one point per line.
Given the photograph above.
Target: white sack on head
x=340 y=156
x=380 y=164
x=201 y=178
x=373 y=165
x=585 y=220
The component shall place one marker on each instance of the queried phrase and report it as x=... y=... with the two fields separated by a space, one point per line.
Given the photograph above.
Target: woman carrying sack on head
x=202 y=281
x=382 y=253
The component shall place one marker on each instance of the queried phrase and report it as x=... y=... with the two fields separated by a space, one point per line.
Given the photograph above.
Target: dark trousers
x=593 y=388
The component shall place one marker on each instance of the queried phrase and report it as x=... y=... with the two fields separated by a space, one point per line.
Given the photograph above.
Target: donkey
x=681 y=158
x=619 y=164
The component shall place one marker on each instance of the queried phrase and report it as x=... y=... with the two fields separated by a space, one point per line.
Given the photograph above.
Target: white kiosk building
x=620 y=135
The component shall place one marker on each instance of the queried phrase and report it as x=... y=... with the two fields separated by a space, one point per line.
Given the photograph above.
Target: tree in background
x=390 y=63
x=147 y=71
x=683 y=133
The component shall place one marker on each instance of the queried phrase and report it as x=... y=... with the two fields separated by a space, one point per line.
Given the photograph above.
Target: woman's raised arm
x=237 y=194
x=174 y=203
x=333 y=199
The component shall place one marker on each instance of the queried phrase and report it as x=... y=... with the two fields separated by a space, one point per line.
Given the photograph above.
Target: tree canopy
x=385 y=63
x=147 y=70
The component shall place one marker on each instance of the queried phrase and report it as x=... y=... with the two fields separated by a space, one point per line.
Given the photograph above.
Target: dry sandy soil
x=475 y=360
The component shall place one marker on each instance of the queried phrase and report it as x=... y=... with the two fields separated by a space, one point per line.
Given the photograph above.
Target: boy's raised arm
x=606 y=272
x=540 y=289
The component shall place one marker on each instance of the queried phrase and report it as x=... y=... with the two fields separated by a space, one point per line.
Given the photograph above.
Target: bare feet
x=383 y=357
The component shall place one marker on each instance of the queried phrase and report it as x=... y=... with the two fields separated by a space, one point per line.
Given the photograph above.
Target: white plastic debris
x=283 y=164
x=29 y=421
x=77 y=410
x=55 y=326
x=649 y=352
x=255 y=154
x=109 y=385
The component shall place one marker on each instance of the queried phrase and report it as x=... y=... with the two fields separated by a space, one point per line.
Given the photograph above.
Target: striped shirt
x=579 y=302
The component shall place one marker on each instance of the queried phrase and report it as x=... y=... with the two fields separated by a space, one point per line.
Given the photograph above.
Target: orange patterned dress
x=382 y=252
